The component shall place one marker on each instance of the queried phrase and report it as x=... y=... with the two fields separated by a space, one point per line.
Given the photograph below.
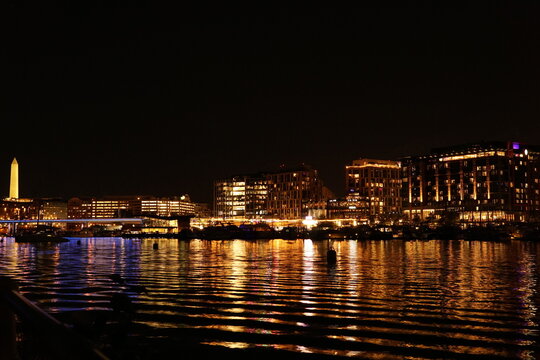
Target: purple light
x=515 y=146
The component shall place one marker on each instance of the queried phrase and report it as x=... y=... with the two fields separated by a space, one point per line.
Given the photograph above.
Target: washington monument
x=14 y=180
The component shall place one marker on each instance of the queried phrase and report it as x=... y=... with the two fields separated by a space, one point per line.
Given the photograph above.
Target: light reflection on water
x=383 y=299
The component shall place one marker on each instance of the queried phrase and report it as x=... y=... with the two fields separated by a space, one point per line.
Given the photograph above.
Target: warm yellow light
x=373 y=165
x=14 y=180
x=472 y=156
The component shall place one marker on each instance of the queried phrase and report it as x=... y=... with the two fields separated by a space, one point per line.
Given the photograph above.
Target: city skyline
x=339 y=192
x=129 y=100
x=257 y=180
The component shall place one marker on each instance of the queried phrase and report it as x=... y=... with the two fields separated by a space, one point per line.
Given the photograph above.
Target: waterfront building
x=166 y=207
x=373 y=190
x=288 y=193
x=242 y=196
x=129 y=206
x=348 y=208
x=486 y=182
x=295 y=193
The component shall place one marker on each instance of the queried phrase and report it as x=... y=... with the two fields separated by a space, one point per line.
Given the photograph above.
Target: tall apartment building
x=128 y=206
x=295 y=193
x=287 y=194
x=373 y=189
x=486 y=182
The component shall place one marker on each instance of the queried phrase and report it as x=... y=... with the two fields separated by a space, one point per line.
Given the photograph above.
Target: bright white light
x=309 y=222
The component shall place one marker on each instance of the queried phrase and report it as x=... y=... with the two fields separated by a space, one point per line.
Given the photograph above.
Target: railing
x=27 y=332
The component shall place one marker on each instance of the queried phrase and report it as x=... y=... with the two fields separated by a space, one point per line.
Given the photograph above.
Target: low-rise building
x=129 y=206
x=348 y=208
x=51 y=209
x=18 y=209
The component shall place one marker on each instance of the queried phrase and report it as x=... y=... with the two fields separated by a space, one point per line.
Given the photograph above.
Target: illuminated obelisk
x=14 y=180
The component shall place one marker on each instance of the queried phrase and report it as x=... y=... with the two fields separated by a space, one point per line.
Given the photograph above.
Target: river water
x=390 y=299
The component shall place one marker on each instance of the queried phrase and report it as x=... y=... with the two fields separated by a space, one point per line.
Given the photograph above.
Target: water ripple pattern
x=382 y=300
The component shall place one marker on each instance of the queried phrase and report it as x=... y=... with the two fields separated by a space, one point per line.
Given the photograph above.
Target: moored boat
x=39 y=237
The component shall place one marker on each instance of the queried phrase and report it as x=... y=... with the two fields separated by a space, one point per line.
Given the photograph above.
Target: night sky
x=125 y=99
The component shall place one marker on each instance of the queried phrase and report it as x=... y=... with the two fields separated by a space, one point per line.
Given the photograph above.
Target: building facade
x=348 y=208
x=51 y=209
x=128 y=206
x=202 y=210
x=243 y=196
x=373 y=189
x=18 y=209
x=291 y=193
x=486 y=182
x=295 y=193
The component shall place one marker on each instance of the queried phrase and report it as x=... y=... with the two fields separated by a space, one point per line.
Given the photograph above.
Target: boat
x=220 y=232
x=39 y=237
x=293 y=233
x=486 y=233
x=257 y=231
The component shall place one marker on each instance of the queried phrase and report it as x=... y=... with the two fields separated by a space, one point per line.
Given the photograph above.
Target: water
x=382 y=300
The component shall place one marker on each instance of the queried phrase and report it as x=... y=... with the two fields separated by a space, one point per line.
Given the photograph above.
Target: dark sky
x=120 y=98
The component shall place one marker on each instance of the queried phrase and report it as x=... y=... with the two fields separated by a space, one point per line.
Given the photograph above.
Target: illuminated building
x=51 y=209
x=486 y=182
x=242 y=196
x=373 y=189
x=295 y=193
x=14 y=180
x=128 y=206
x=19 y=209
x=283 y=194
x=202 y=210
x=348 y=208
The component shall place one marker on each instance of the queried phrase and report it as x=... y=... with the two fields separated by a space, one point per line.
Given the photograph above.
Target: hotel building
x=486 y=182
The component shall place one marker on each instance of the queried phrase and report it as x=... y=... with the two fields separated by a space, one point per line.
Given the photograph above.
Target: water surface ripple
x=382 y=300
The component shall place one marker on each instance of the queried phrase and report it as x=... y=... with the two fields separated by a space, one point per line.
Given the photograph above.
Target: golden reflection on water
x=437 y=298
x=229 y=344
